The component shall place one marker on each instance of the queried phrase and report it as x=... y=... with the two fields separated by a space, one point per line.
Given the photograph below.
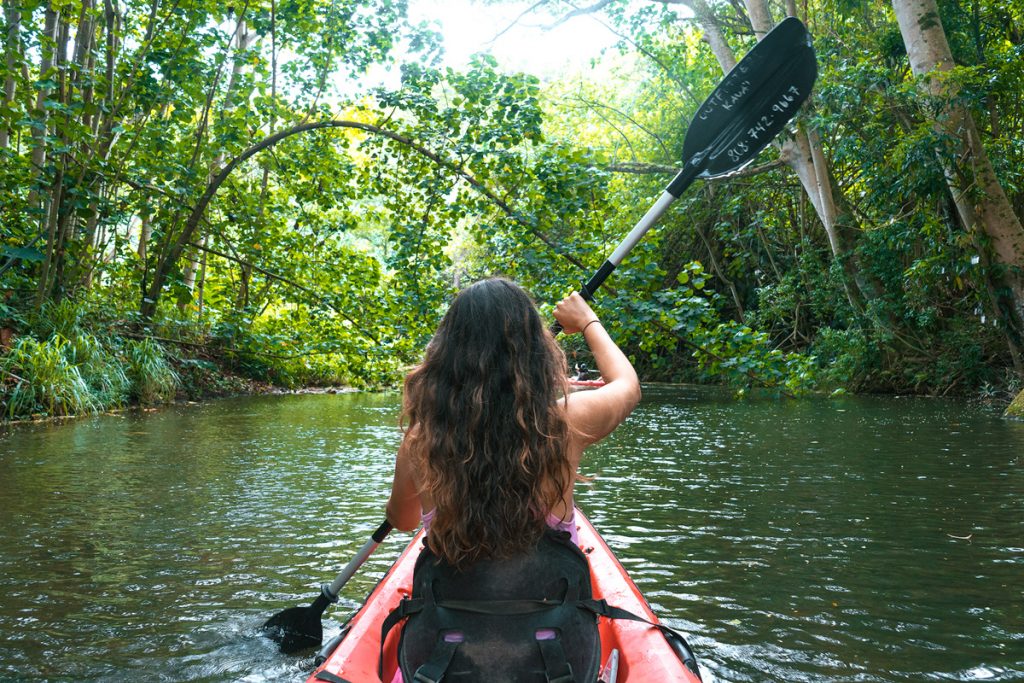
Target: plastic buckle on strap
x=556 y=666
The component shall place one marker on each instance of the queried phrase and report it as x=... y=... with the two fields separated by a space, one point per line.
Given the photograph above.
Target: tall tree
x=980 y=200
x=805 y=154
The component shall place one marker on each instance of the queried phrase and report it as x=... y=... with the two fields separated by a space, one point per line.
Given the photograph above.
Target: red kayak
x=633 y=652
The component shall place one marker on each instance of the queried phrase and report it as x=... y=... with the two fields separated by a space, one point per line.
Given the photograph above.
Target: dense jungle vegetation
x=191 y=190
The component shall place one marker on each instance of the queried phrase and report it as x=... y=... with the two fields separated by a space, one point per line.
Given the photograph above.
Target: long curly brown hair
x=485 y=428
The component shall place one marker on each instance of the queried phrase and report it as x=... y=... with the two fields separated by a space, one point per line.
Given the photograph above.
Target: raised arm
x=403 y=508
x=596 y=413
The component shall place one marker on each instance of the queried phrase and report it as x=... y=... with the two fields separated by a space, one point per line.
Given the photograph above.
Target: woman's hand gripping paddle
x=751 y=105
x=299 y=628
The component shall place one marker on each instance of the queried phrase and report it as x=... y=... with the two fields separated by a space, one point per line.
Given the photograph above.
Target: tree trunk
x=145 y=230
x=980 y=200
x=760 y=18
x=12 y=17
x=243 y=40
x=713 y=34
x=40 y=113
x=202 y=278
x=50 y=227
x=51 y=63
x=245 y=277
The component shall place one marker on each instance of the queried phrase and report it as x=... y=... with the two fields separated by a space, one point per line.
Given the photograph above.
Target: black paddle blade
x=772 y=106
x=753 y=103
x=295 y=629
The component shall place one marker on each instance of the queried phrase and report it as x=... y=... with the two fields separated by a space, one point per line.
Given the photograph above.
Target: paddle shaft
x=332 y=590
x=674 y=190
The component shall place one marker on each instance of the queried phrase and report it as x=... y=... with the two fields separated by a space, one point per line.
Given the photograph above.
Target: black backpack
x=482 y=623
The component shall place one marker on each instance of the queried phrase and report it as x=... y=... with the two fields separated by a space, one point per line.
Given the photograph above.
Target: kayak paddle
x=298 y=628
x=751 y=105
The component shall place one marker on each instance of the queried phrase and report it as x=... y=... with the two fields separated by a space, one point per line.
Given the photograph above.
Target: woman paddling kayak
x=511 y=583
x=493 y=441
x=632 y=650
x=494 y=438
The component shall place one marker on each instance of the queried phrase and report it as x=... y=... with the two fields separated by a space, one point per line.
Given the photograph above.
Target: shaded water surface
x=853 y=540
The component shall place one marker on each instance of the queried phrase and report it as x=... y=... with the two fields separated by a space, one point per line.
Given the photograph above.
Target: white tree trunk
x=760 y=18
x=713 y=34
x=980 y=200
x=145 y=231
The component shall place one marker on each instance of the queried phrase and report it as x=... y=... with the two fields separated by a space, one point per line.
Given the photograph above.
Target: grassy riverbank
x=71 y=359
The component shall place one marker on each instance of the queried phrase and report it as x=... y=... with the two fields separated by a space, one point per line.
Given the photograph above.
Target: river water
x=861 y=539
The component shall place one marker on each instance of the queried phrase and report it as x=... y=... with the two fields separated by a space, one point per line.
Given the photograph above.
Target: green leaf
x=24 y=253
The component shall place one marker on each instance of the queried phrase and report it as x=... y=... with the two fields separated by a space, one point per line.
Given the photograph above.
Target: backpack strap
x=556 y=665
x=406 y=607
x=499 y=607
x=434 y=669
x=674 y=637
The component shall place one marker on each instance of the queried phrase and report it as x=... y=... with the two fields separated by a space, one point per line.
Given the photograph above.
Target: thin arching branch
x=174 y=252
x=580 y=11
x=515 y=22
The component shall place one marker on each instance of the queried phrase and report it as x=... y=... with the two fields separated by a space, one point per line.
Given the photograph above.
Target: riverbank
x=252 y=389
x=79 y=370
x=72 y=359
x=228 y=386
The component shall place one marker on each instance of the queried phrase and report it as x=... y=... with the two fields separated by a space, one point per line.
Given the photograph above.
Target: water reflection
x=855 y=540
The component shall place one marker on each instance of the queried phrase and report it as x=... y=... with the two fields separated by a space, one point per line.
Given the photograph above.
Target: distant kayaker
x=582 y=372
x=492 y=435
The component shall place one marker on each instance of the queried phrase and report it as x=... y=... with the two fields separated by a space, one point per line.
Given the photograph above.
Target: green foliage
x=100 y=368
x=329 y=258
x=153 y=380
x=45 y=382
x=845 y=355
x=63 y=318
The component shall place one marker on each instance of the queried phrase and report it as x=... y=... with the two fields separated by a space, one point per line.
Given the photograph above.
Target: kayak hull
x=644 y=655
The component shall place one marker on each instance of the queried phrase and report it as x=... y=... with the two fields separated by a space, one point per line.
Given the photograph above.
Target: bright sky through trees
x=526 y=45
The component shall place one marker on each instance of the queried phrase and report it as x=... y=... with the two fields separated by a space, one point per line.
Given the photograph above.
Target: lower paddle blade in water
x=295 y=629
